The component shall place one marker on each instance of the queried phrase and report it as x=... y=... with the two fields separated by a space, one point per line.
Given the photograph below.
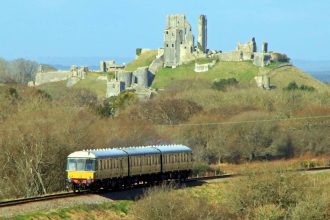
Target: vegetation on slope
x=242 y=71
x=144 y=59
x=283 y=76
x=269 y=193
x=90 y=82
x=40 y=127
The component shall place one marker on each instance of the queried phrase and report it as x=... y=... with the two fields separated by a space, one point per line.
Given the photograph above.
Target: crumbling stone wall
x=114 y=88
x=110 y=66
x=200 y=68
x=230 y=56
x=48 y=77
x=261 y=59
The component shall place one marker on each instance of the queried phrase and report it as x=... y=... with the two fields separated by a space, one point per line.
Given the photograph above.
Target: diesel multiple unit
x=118 y=167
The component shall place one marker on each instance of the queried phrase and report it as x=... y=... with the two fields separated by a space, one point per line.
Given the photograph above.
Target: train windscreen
x=81 y=165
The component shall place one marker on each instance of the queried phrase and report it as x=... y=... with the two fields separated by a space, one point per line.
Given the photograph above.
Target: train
x=113 y=168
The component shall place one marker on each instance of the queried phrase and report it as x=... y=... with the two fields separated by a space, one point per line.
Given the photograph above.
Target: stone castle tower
x=178 y=40
x=202 y=33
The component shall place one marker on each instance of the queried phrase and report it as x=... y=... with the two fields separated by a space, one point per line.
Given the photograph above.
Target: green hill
x=283 y=76
x=242 y=71
x=144 y=59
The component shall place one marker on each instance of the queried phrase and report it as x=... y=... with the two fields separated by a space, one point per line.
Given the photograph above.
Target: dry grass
x=290 y=164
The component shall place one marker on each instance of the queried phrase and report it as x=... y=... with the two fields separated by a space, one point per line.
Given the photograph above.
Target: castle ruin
x=202 y=33
x=179 y=46
x=178 y=40
x=110 y=66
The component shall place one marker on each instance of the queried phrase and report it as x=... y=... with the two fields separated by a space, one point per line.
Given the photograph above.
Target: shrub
x=277 y=188
x=43 y=94
x=166 y=111
x=307 y=88
x=294 y=86
x=224 y=83
x=306 y=164
x=201 y=168
x=112 y=105
x=165 y=203
x=316 y=207
x=270 y=212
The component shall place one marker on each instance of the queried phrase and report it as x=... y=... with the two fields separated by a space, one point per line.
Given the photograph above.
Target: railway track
x=38 y=198
x=72 y=194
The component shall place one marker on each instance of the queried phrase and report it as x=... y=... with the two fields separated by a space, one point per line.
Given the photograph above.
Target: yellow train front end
x=80 y=171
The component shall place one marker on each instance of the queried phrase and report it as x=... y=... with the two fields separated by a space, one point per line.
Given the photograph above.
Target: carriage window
x=90 y=165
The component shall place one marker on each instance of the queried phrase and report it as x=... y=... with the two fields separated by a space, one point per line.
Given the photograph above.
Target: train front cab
x=81 y=173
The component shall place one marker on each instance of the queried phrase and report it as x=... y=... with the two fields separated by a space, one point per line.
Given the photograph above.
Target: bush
x=201 y=168
x=165 y=203
x=112 y=105
x=277 y=188
x=269 y=212
x=224 y=83
x=307 y=164
x=166 y=111
x=316 y=207
x=294 y=86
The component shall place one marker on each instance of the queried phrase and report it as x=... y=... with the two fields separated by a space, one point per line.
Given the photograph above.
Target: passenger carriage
x=122 y=167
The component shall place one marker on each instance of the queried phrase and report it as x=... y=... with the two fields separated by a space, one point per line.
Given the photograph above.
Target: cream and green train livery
x=118 y=167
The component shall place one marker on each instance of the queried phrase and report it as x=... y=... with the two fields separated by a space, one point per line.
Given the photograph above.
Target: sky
x=59 y=30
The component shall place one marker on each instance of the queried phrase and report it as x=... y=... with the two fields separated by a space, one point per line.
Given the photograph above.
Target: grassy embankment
x=216 y=200
x=144 y=59
x=91 y=82
x=242 y=71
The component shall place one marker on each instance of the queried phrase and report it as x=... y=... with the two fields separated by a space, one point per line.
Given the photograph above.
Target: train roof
x=141 y=150
x=124 y=152
x=167 y=149
x=99 y=153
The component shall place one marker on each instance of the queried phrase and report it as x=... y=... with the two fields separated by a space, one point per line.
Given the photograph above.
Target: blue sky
x=55 y=29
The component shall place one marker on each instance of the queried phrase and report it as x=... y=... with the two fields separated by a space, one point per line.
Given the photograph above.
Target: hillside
x=91 y=82
x=242 y=71
x=144 y=59
x=281 y=77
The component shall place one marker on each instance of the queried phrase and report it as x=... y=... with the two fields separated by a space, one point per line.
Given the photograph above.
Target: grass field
x=243 y=71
